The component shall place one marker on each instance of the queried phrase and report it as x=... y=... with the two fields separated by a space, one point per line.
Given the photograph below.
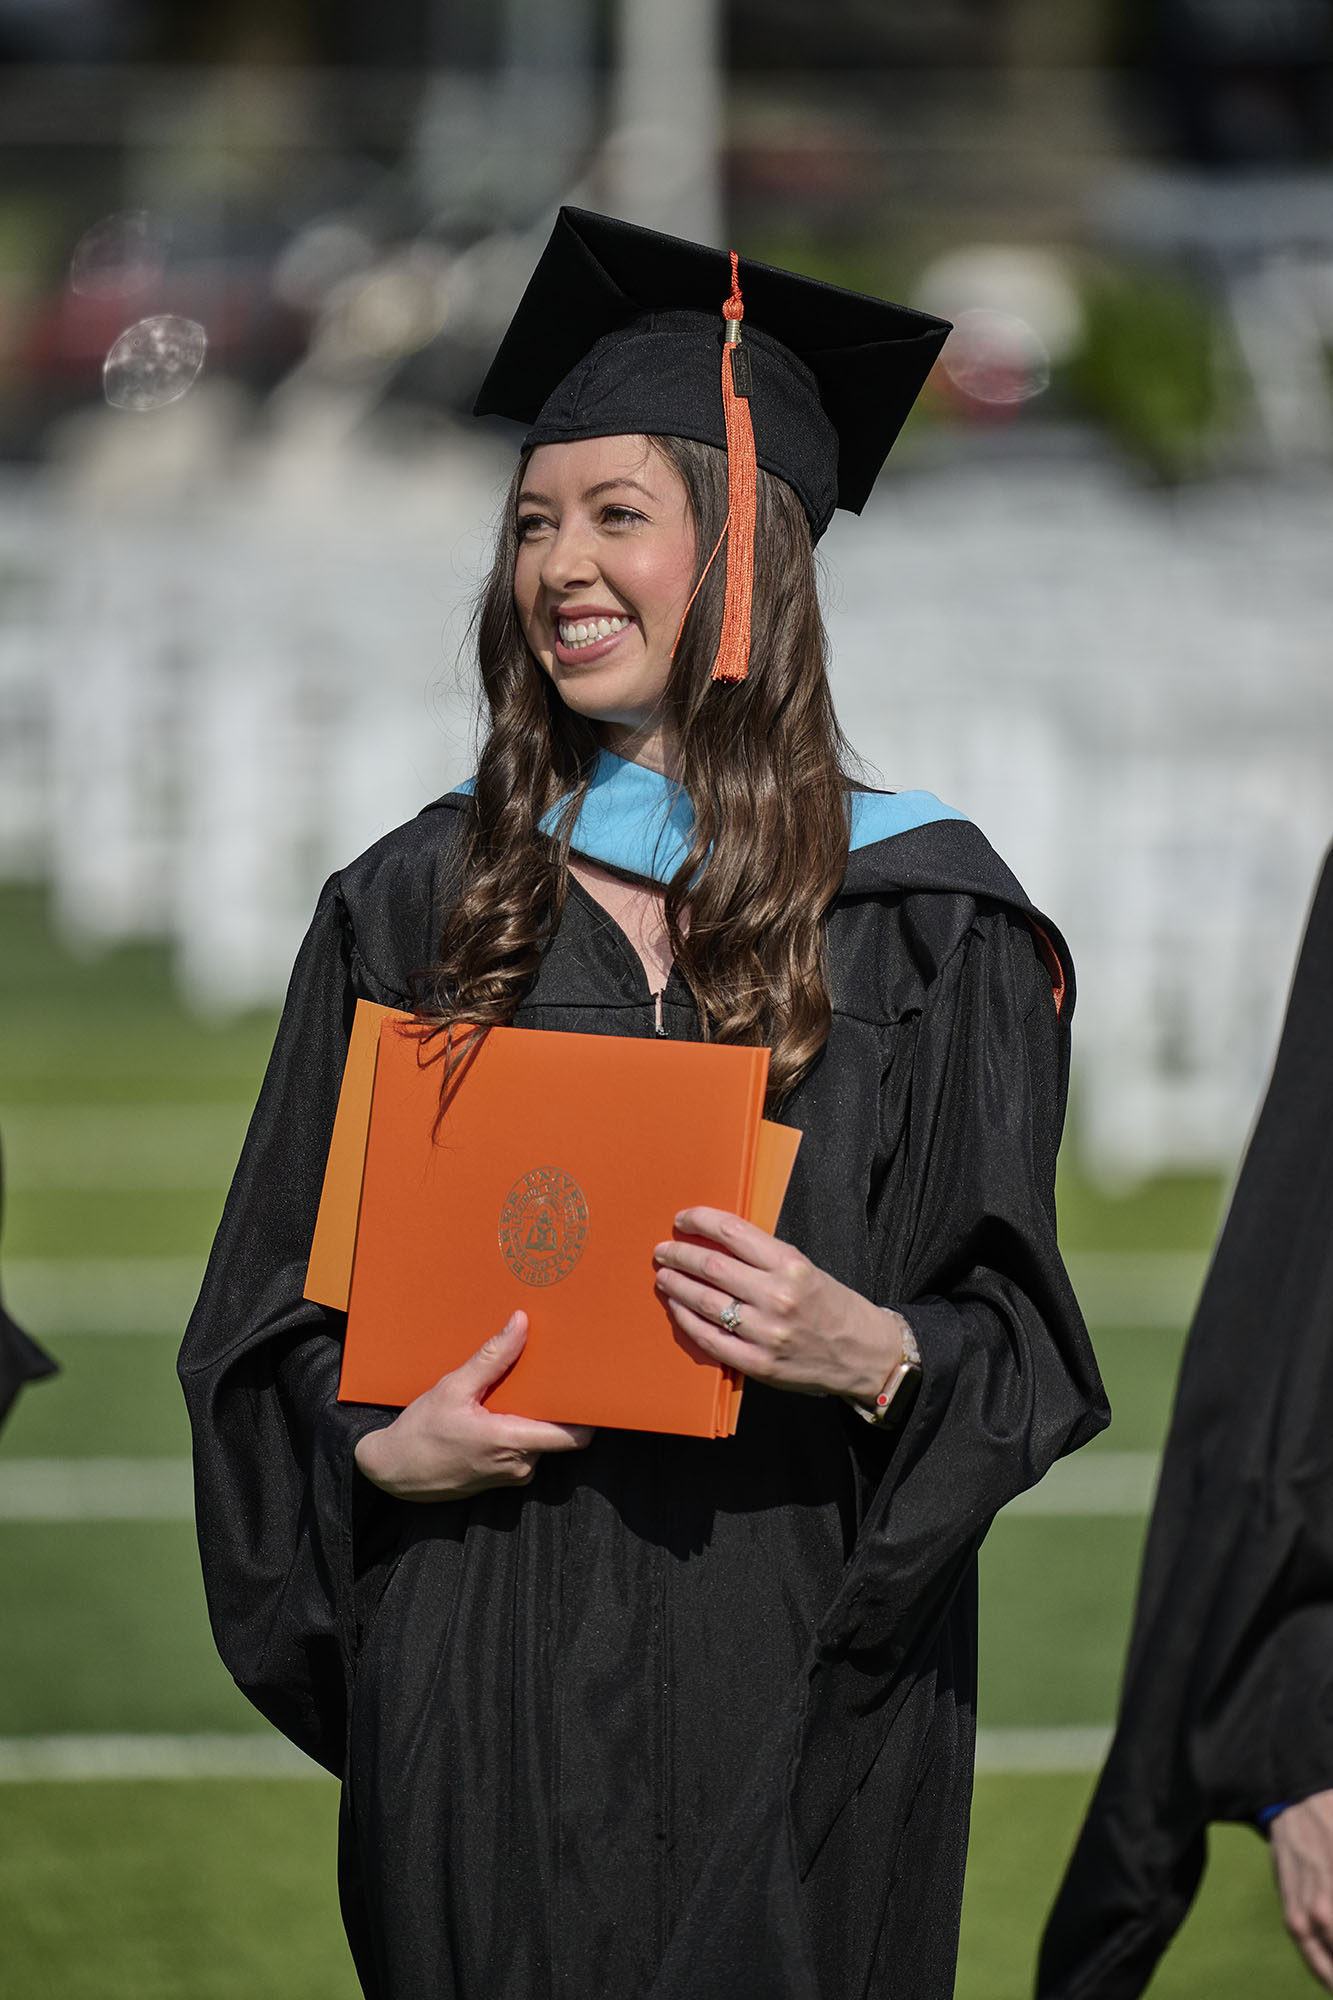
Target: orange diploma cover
x=557 y=1164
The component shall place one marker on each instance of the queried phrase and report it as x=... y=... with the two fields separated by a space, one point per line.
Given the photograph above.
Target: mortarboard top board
x=620 y=332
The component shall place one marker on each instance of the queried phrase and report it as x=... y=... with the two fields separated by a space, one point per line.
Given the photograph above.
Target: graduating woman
x=622 y=1715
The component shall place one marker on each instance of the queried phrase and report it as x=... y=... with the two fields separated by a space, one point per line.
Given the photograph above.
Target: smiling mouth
x=575 y=634
x=585 y=641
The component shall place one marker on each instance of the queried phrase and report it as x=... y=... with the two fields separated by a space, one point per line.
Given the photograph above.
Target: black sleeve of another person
x=21 y=1359
x=1228 y=1697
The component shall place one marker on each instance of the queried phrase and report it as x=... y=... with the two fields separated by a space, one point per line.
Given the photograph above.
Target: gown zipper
x=610 y=923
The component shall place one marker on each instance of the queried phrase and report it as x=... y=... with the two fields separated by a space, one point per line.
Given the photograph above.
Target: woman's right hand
x=447 y=1445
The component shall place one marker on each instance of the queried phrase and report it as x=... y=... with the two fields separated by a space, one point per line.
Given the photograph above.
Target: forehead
x=571 y=469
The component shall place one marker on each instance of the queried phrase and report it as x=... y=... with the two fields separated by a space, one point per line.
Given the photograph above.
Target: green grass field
x=121 y=1117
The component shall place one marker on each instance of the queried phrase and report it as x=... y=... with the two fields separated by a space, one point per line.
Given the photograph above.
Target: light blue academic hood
x=634 y=819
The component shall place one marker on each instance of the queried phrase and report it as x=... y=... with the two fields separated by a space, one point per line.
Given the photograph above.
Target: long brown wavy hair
x=762 y=761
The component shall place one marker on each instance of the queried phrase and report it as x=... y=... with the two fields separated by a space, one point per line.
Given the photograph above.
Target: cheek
x=665 y=579
x=525 y=587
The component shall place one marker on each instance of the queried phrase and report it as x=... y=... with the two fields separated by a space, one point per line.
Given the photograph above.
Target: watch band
x=893 y=1402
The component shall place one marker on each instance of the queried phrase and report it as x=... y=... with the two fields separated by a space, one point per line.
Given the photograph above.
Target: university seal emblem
x=543 y=1226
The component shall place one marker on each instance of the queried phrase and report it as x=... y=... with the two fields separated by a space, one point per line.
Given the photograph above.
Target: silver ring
x=730 y=1316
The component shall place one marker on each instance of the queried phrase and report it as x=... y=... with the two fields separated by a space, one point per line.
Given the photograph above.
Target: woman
x=625 y=1715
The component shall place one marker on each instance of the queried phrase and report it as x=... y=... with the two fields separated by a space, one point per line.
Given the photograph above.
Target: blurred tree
x=255 y=31
x=1233 y=82
x=83 y=31
x=409 y=34
x=1148 y=370
x=864 y=34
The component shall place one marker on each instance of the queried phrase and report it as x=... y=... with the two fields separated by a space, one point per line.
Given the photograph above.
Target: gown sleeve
x=1010 y=1383
x=1009 y=1379
x=275 y=1483
x=971 y=1257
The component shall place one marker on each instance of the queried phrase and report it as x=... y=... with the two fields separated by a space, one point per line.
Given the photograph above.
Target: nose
x=568 y=561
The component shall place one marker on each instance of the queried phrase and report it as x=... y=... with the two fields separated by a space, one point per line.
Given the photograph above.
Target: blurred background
x=253 y=261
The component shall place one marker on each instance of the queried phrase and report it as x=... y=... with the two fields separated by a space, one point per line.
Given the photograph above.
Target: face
x=605 y=567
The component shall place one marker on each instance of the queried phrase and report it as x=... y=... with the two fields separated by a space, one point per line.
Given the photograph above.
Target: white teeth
x=572 y=635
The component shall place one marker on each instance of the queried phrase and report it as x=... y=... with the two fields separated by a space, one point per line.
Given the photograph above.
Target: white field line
x=1156 y=1288
x=1041 y=1751
x=96 y=1489
x=55 y=1295
x=122 y=1147
x=78 y=1759
x=1093 y=1482
x=160 y=1489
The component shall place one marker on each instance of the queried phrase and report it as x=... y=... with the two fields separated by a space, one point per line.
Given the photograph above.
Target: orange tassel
x=733 y=651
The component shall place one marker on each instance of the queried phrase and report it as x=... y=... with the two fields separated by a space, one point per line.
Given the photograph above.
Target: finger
x=742 y=1239
x=494 y=1358
x=523 y=1434
x=1320 y=1936
x=519 y=1471
x=712 y=1266
x=711 y=1301
x=721 y=1346
x=1317 y=1956
x=1303 y=1915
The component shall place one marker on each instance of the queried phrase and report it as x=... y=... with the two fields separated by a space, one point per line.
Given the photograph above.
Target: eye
x=621 y=517
x=528 y=525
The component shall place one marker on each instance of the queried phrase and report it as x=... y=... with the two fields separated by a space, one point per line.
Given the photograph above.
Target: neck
x=652 y=744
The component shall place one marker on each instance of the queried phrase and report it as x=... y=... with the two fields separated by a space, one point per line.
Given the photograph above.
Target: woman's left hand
x=798 y=1328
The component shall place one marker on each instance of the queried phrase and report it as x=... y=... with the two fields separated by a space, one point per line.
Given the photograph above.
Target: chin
x=604 y=704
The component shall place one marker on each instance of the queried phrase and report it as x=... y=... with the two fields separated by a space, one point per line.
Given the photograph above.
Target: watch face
x=895 y=1399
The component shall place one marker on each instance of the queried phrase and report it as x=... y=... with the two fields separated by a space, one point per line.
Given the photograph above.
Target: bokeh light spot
x=120 y=255
x=154 y=362
x=996 y=357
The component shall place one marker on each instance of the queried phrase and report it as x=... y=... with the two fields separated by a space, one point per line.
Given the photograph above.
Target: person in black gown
x=21 y=1359
x=625 y=1715
x=1227 y=1706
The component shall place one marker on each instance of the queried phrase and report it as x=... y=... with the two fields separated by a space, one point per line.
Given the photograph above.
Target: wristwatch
x=895 y=1399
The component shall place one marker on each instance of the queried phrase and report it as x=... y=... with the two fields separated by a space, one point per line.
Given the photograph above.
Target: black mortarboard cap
x=620 y=331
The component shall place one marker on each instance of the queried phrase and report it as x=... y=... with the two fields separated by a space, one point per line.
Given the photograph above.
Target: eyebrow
x=591 y=493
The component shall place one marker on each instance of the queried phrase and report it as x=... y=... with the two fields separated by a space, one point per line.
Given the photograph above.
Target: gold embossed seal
x=543 y=1226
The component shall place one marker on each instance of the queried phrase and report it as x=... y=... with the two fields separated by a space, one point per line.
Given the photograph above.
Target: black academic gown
x=682 y=1719
x=1227 y=1705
